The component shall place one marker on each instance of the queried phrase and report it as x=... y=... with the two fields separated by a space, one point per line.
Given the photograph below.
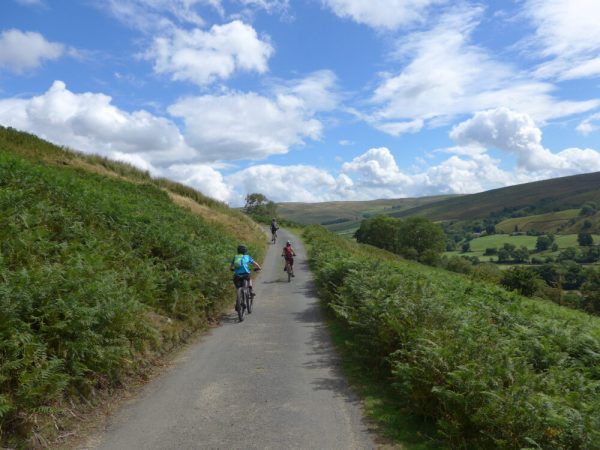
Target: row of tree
x=414 y=238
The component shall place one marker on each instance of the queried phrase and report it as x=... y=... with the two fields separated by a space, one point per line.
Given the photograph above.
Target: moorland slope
x=103 y=268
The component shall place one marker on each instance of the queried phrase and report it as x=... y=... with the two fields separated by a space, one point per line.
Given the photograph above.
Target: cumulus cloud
x=568 y=34
x=90 y=123
x=204 y=178
x=239 y=125
x=297 y=183
x=204 y=56
x=516 y=133
x=387 y=14
x=445 y=75
x=21 y=51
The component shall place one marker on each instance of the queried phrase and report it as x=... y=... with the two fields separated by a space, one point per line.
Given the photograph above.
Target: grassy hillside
x=101 y=272
x=565 y=195
x=328 y=213
x=489 y=368
x=555 y=194
x=545 y=223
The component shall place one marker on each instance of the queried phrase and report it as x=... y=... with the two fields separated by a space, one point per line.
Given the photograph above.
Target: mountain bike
x=243 y=300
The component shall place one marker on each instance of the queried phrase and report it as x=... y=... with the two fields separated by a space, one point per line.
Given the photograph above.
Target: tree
x=568 y=254
x=466 y=247
x=591 y=292
x=585 y=239
x=521 y=254
x=414 y=238
x=543 y=243
x=260 y=207
x=381 y=231
x=521 y=279
x=421 y=234
x=588 y=209
x=504 y=255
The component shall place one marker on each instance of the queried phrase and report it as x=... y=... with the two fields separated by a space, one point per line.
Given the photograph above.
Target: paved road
x=270 y=382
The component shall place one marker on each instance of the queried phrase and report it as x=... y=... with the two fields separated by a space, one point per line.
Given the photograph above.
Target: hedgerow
x=97 y=276
x=492 y=369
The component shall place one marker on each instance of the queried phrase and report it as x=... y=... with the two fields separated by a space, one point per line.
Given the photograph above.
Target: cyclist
x=274 y=228
x=240 y=264
x=289 y=253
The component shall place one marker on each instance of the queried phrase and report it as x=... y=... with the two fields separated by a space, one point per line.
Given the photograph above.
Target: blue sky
x=315 y=100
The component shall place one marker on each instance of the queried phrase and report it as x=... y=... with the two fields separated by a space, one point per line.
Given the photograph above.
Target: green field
x=479 y=245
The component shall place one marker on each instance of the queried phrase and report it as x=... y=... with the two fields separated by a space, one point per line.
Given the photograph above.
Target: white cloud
x=205 y=56
x=22 y=51
x=378 y=176
x=388 y=14
x=90 y=123
x=204 y=178
x=567 y=32
x=152 y=15
x=251 y=126
x=517 y=133
x=295 y=183
x=446 y=75
x=317 y=90
x=590 y=124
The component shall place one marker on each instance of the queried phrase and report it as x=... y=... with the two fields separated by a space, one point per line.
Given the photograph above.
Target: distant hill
x=540 y=198
x=338 y=213
x=555 y=194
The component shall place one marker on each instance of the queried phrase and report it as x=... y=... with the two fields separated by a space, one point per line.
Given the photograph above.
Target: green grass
x=491 y=369
x=392 y=417
x=92 y=287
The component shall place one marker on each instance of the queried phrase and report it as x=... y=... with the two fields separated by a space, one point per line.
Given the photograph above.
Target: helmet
x=288 y=243
x=242 y=249
x=273 y=219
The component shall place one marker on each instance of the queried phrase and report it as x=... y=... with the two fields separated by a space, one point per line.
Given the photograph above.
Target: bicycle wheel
x=248 y=297
x=240 y=304
x=249 y=301
x=288 y=269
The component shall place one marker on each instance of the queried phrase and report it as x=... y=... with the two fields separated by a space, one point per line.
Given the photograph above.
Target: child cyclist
x=240 y=264
x=288 y=253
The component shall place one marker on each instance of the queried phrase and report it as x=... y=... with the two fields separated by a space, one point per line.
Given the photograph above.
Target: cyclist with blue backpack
x=240 y=264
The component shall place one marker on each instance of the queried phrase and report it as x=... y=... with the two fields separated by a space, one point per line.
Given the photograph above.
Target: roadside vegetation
x=489 y=368
x=100 y=273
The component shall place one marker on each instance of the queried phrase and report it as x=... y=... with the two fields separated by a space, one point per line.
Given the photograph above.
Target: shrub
x=91 y=281
x=520 y=279
x=492 y=369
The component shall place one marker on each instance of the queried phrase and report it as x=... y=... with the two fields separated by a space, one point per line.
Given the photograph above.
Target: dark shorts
x=290 y=259
x=238 y=280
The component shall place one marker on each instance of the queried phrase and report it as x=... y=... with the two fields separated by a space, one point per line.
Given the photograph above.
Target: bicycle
x=244 y=300
x=274 y=236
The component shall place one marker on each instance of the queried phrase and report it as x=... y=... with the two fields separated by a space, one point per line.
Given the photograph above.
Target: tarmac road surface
x=270 y=382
